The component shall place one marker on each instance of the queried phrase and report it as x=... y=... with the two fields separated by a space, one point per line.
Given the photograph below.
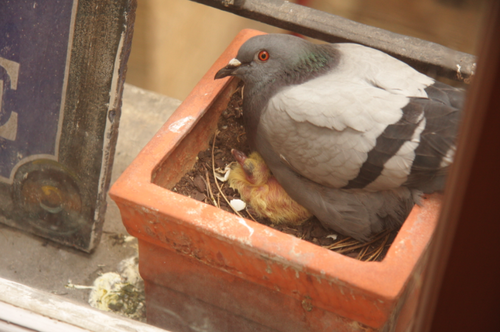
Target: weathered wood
x=423 y=55
x=15 y=319
x=461 y=288
x=44 y=312
x=62 y=70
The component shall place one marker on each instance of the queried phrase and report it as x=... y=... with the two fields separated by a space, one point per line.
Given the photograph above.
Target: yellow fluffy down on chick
x=251 y=177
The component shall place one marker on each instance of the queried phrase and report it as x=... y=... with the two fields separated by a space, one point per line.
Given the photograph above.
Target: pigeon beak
x=229 y=69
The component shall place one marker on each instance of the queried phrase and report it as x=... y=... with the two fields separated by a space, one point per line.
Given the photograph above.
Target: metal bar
x=425 y=56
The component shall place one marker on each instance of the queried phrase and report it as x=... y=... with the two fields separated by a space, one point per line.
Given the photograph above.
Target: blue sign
x=35 y=37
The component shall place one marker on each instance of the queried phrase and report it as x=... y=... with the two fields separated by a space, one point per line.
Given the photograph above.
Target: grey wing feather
x=437 y=146
x=355 y=213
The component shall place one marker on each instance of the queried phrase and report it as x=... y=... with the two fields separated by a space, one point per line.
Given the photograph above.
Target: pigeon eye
x=263 y=56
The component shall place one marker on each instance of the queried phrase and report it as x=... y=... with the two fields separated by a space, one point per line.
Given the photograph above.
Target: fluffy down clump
x=259 y=188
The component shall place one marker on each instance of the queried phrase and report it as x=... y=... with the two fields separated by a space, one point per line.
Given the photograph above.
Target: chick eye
x=263 y=56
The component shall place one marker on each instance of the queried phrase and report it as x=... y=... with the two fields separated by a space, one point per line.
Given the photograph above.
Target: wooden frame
x=35 y=310
x=461 y=287
x=58 y=190
x=420 y=54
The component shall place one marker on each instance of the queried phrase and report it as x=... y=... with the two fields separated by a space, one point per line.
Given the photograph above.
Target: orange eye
x=263 y=56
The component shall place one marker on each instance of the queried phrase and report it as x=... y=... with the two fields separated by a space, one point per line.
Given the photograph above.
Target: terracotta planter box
x=208 y=270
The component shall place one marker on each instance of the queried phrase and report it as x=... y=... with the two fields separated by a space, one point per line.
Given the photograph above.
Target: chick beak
x=239 y=156
x=229 y=69
x=248 y=168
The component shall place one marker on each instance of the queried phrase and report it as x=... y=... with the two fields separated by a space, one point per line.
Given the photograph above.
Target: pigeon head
x=269 y=63
x=278 y=59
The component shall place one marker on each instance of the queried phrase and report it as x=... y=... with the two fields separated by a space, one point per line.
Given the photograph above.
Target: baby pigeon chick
x=260 y=189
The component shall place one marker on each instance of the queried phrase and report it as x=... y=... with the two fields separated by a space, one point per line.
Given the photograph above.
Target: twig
x=361 y=245
x=215 y=179
x=362 y=253
x=342 y=243
x=210 y=189
x=246 y=209
x=379 y=250
x=238 y=89
x=238 y=137
x=349 y=244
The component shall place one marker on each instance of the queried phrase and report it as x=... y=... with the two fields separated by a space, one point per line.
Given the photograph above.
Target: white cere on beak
x=234 y=62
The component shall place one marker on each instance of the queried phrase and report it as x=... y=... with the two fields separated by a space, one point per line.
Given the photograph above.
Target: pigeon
x=258 y=187
x=352 y=134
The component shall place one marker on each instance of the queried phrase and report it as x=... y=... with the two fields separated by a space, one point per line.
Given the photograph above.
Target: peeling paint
x=149 y=231
x=305 y=257
x=193 y=211
x=244 y=223
x=356 y=326
x=400 y=246
x=268 y=232
x=179 y=124
x=149 y=210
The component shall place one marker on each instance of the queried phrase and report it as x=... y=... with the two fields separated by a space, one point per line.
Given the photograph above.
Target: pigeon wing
x=372 y=122
x=326 y=136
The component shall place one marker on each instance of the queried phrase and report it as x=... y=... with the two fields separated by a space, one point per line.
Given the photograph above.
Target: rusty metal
x=425 y=56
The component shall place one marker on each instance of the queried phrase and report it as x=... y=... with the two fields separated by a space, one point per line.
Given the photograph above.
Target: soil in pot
x=199 y=183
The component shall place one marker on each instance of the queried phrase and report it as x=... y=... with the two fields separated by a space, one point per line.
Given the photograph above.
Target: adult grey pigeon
x=351 y=133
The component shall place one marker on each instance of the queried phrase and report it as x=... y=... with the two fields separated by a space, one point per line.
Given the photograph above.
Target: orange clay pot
x=206 y=269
